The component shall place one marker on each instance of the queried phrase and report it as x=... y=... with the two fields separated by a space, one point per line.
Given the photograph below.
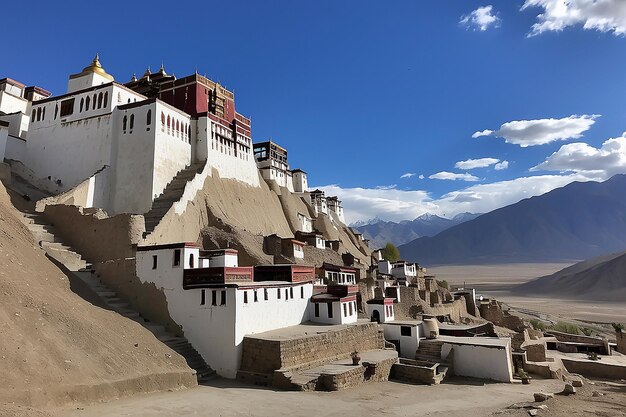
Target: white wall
x=4 y=133
x=240 y=167
x=300 y=184
x=484 y=362
x=90 y=79
x=386 y=312
x=298 y=252
x=10 y=103
x=343 y=312
x=408 y=344
x=15 y=148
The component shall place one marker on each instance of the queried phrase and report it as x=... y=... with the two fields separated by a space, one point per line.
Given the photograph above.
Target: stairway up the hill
x=171 y=194
x=45 y=235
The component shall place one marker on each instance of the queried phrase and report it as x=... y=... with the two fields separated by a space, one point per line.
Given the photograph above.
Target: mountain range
x=579 y=221
x=379 y=232
x=602 y=278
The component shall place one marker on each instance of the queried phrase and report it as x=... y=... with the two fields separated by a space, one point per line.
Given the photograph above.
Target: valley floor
x=453 y=398
x=497 y=280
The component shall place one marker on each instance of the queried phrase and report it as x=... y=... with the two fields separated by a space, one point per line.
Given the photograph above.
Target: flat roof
x=307 y=329
x=476 y=341
x=404 y=322
x=170 y=246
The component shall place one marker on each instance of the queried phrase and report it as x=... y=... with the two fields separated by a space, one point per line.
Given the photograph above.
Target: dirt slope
x=57 y=348
x=602 y=279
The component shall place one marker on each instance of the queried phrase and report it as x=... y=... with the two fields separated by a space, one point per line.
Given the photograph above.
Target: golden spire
x=94 y=67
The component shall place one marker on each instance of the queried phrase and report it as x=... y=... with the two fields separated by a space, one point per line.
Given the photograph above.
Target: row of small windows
x=67 y=106
x=99 y=101
x=214 y=294
x=176 y=127
x=129 y=122
x=266 y=296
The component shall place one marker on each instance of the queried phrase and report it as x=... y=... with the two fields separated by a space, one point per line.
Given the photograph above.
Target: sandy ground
x=497 y=280
x=455 y=398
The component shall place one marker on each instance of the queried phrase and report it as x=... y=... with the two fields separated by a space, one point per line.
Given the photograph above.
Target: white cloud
x=386 y=187
x=408 y=175
x=501 y=166
x=541 y=131
x=396 y=205
x=481 y=18
x=476 y=163
x=485 y=132
x=421 y=177
x=581 y=158
x=601 y=15
x=445 y=175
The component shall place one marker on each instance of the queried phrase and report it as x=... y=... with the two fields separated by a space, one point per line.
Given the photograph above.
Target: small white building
x=271 y=159
x=300 y=184
x=312 y=239
x=216 y=306
x=480 y=357
x=335 y=306
x=336 y=275
x=405 y=335
x=318 y=200
x=404 y=272
x=334 y=204
x=381 y=310
x=305 y=224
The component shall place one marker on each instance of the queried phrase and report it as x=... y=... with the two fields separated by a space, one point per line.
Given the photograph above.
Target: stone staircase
x=171 y=194
x=45 y=235
x=429 y=350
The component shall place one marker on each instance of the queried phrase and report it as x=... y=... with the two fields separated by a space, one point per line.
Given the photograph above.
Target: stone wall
x=493 y=312
x=621 y=342
x=595 y=369
x=93 y=234
x=266 y=356
x=536 y=352
x=414 y=374
x=413 y=304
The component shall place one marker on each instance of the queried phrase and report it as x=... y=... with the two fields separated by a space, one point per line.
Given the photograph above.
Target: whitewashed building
x=404 y=272
x=337 y=305
x=300 y=181
x=381 y=310
x=334 y=205
x=405 y=335
x=318 y=200
x=217 y=305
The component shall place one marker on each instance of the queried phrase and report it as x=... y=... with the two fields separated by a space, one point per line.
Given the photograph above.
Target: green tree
x=619 y=327
x=391 y=253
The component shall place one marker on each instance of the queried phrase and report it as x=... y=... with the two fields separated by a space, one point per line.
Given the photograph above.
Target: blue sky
x=363 y=92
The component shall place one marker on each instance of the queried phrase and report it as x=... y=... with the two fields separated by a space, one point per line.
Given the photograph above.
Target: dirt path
x=456 y=398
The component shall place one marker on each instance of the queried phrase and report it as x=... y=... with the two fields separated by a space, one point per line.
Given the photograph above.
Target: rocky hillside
x=578 y=221
x=56 y=347
x=602 y=279
x=379 y=232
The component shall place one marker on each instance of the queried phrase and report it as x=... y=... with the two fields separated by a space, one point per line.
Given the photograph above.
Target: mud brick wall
x=493 y=312
x=413 y=374
x=265 y=356
x=574 y=338
x=536 y=352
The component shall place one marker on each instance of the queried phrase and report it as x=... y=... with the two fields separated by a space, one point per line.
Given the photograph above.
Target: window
x=106 y=98
x=32 y=117
x=329 y=307
x=87 y=101
x=43 y=114
x=177 y=257
x=95 y=99
x=286 y=294
x=56 y=111
x=278 y=292
x=291 y=293
x=245 y=297
x=256 y=296
x=350 y=306
x=190 y=256
x=302 y=292
x=132 y=122
x=345 y=310
x=405 y=330
x=82 y=103
x=168 y=123
x=100 y=100
x=162 y=118
x=124 y=123
x=214 y=297
x=203 y=298
x=39 y=114
x=154 y=262
x=317 y=310
x=149 y=118
x=266 y=295
x=223 y=300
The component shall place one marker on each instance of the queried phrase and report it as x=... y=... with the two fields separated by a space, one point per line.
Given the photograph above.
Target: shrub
x=391 y=253
x=619 y=327
x=443 y=284
x=538 y=325
x=564 y=327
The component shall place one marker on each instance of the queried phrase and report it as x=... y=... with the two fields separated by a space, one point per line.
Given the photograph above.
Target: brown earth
x=56 y=348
